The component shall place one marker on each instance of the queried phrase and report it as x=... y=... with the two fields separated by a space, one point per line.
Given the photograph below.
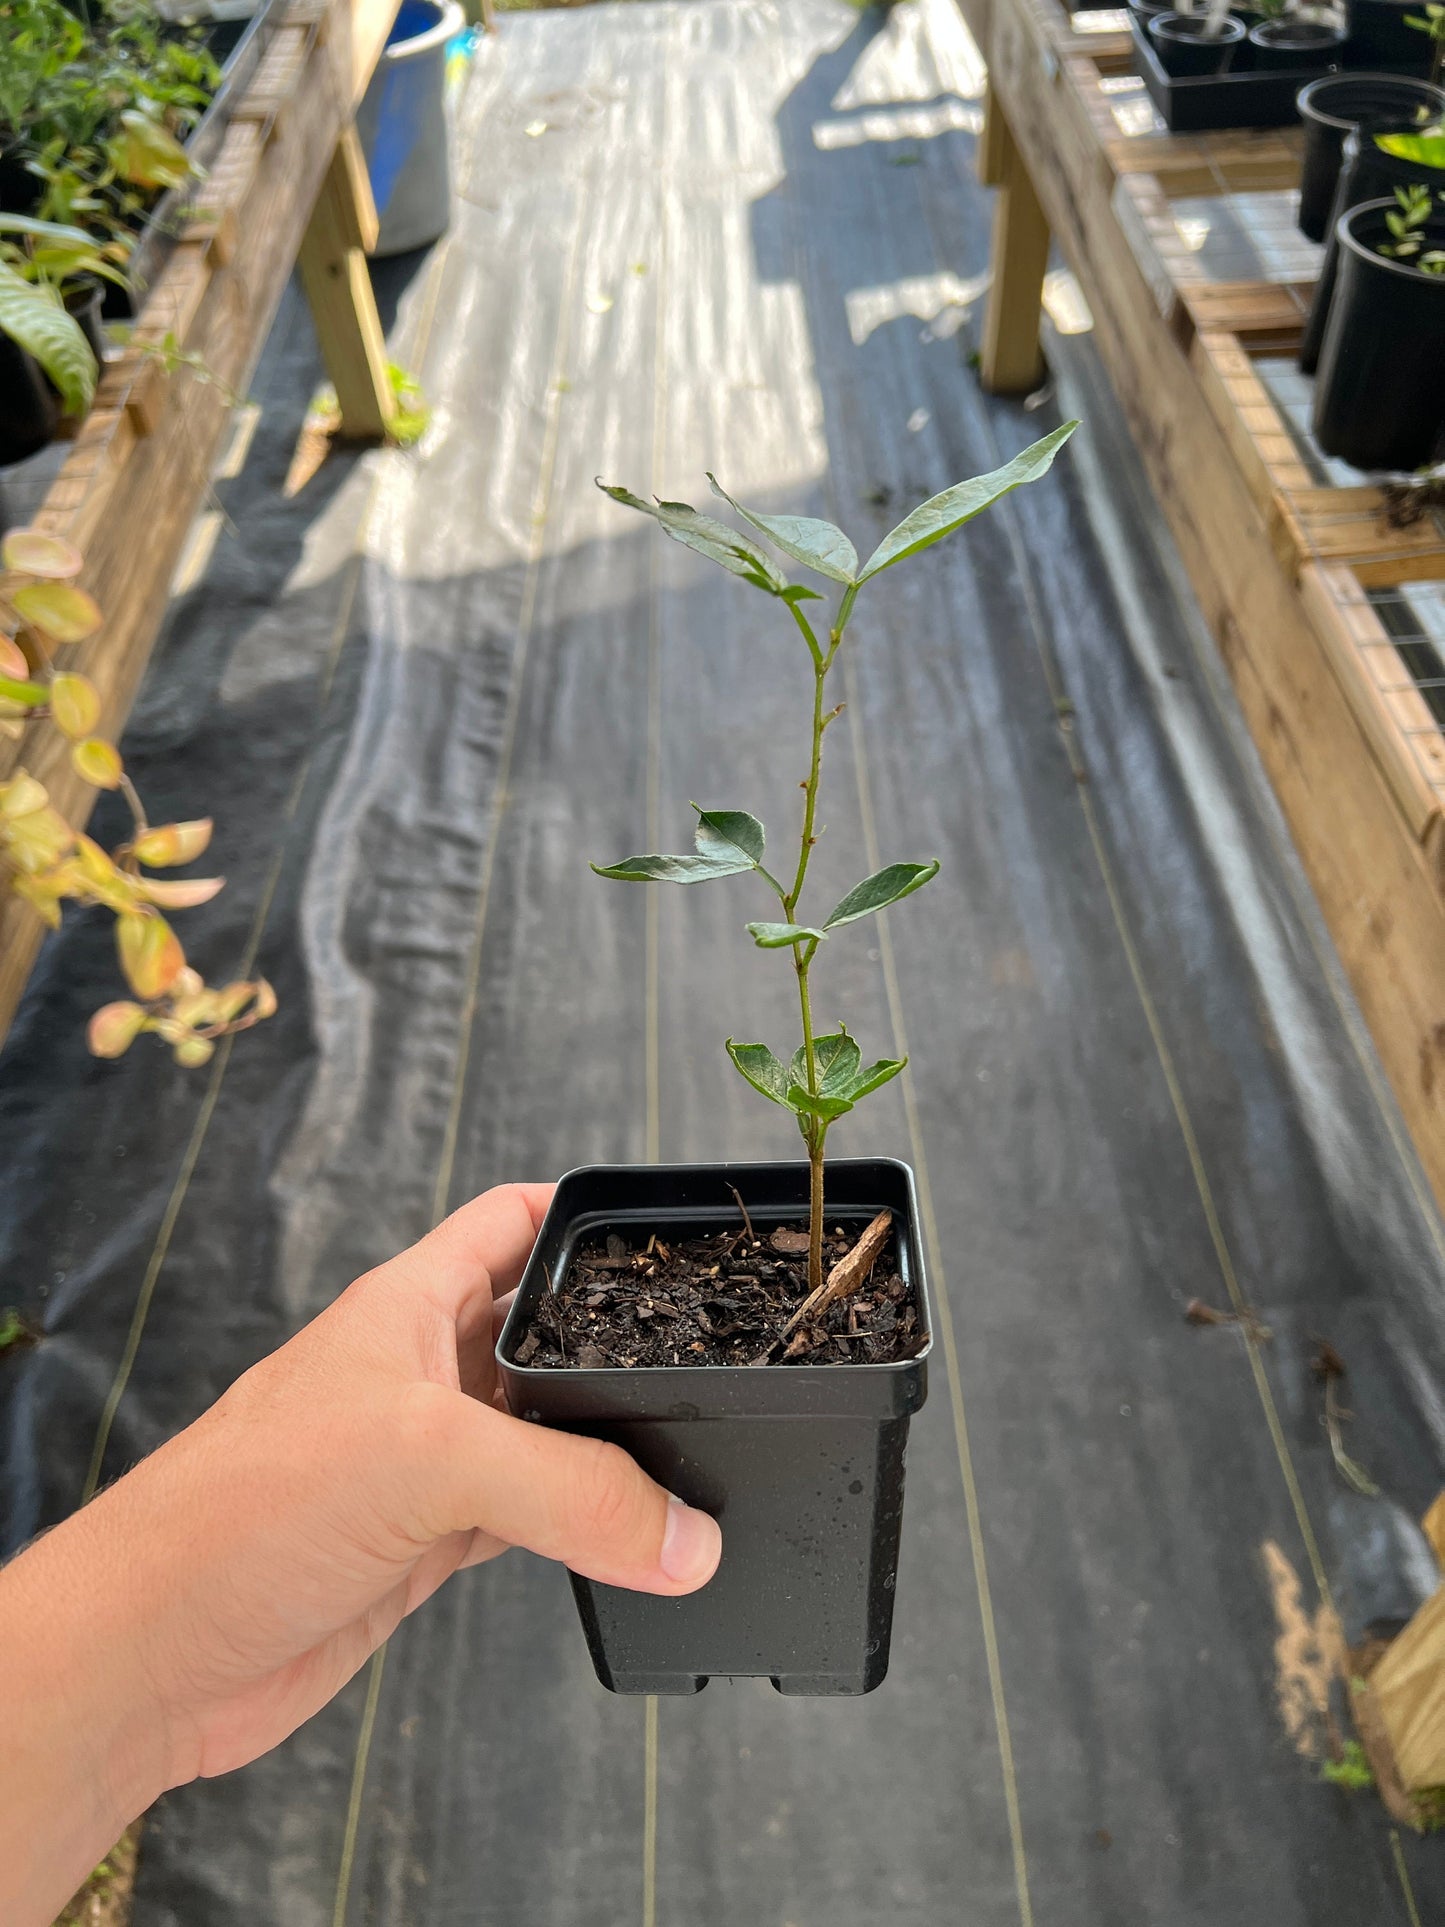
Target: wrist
x=87 y=1749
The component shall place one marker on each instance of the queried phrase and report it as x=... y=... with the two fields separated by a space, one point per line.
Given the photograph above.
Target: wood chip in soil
x=720 y=1300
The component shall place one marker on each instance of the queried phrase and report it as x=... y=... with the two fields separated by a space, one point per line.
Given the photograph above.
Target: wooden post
x=332 y=260
x=1011 y=362
x=994 y=133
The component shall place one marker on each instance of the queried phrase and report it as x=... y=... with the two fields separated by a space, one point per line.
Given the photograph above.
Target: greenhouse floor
x=418 y=691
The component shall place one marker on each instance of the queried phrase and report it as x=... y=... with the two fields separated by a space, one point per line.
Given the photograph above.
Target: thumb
x=575 y=1499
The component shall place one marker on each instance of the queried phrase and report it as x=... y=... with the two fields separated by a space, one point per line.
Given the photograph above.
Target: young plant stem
x=816 y=1131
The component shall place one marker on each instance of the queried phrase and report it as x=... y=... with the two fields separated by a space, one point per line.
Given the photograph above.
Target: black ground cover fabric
x=417 y=695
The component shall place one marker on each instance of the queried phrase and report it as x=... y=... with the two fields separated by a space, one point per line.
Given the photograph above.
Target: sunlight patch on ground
x=924 y=41
x=924 y=296
x=900 y=124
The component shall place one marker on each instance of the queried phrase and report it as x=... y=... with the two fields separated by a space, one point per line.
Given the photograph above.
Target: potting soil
x=418 y=691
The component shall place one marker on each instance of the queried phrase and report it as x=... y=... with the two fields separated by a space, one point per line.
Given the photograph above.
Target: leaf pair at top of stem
x=826 y=1075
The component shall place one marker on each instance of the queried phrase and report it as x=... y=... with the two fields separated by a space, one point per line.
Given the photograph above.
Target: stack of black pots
x=1377 y=324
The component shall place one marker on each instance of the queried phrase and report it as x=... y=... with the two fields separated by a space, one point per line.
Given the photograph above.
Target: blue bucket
x=403 y=126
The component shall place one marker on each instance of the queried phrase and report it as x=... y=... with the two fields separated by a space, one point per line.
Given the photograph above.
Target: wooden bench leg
x=1011 y=362
x=342 y=227
x=991 y=149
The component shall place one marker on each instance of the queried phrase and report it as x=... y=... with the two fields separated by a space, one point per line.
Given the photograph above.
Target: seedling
x=825 y=1076
x=1406 y=222
x=1432 y=22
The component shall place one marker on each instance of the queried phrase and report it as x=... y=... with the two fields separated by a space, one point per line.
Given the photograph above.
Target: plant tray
x=1240 y=97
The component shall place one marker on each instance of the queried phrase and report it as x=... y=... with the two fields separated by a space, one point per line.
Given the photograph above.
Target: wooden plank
x=356 y=206
x=992 y=143
x=1259 y=441
x=126 y=498
x=338 y=287
x=1408 y=1683
x=1012 y=362
x=369 y=22
x=1349 y=525
x=1393 y=715
x=1375 y=881
x=1269 y=315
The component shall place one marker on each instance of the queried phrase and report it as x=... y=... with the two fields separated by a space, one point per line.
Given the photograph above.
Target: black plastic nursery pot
x=1380 y=36
x=1185 y=45
x=1380 y=395
x=1338 y=104
x=29 y=406
x=802 y=1465
x=1366 y=174
x=1296 y=44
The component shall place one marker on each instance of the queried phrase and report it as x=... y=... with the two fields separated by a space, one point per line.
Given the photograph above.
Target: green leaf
x=876 y=1074
x=36 y=320
x=835 y=1059
x=777 y=936
x=949 y=511
x=803 y=1101
x=145 y=153
x=56 y=231
x=762 y=1070
x=882 y=888
x=1426 y=150
x=63 y=612
x=728 y=842
x=729 y=833
x=817 y=545
x=706 y=537
x=798 y=593
x=29 y=695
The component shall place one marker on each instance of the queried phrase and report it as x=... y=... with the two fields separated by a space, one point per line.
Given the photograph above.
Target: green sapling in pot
x=825 y=1076
x=654 y=1289
x=1407 y=225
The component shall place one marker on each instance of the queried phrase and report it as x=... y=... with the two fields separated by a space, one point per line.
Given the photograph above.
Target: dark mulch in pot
x=720 y=1300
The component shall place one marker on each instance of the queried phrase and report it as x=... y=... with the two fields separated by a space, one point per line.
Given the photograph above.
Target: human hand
x=229 y=1585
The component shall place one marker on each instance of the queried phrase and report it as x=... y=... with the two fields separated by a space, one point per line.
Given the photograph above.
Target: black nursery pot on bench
x=1340 y=104
x=1380 y=396
x=802 y=1465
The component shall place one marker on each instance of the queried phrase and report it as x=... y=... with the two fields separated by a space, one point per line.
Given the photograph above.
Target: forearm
x=83 y=1745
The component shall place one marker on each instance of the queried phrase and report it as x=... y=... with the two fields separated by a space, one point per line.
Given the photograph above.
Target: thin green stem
x=810 y=788
x=816 y=1130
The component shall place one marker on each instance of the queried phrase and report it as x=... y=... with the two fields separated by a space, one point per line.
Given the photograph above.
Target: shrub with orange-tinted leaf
x=46 y=862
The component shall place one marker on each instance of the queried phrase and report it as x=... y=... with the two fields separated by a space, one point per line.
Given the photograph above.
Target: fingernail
x=691 y=1545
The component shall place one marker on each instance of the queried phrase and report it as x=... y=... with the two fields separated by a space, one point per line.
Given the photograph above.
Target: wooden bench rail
x=289 y=181
x=1293 y=575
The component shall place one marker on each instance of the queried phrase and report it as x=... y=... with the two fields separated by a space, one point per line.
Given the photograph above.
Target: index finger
x=480 y=1250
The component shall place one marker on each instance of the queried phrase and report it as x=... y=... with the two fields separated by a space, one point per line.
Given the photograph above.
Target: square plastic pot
x=802 y=1465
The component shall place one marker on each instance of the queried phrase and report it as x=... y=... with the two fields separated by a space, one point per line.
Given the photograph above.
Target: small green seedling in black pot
x=1406 y=224
x=654 y=1290
x=826 y=1075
